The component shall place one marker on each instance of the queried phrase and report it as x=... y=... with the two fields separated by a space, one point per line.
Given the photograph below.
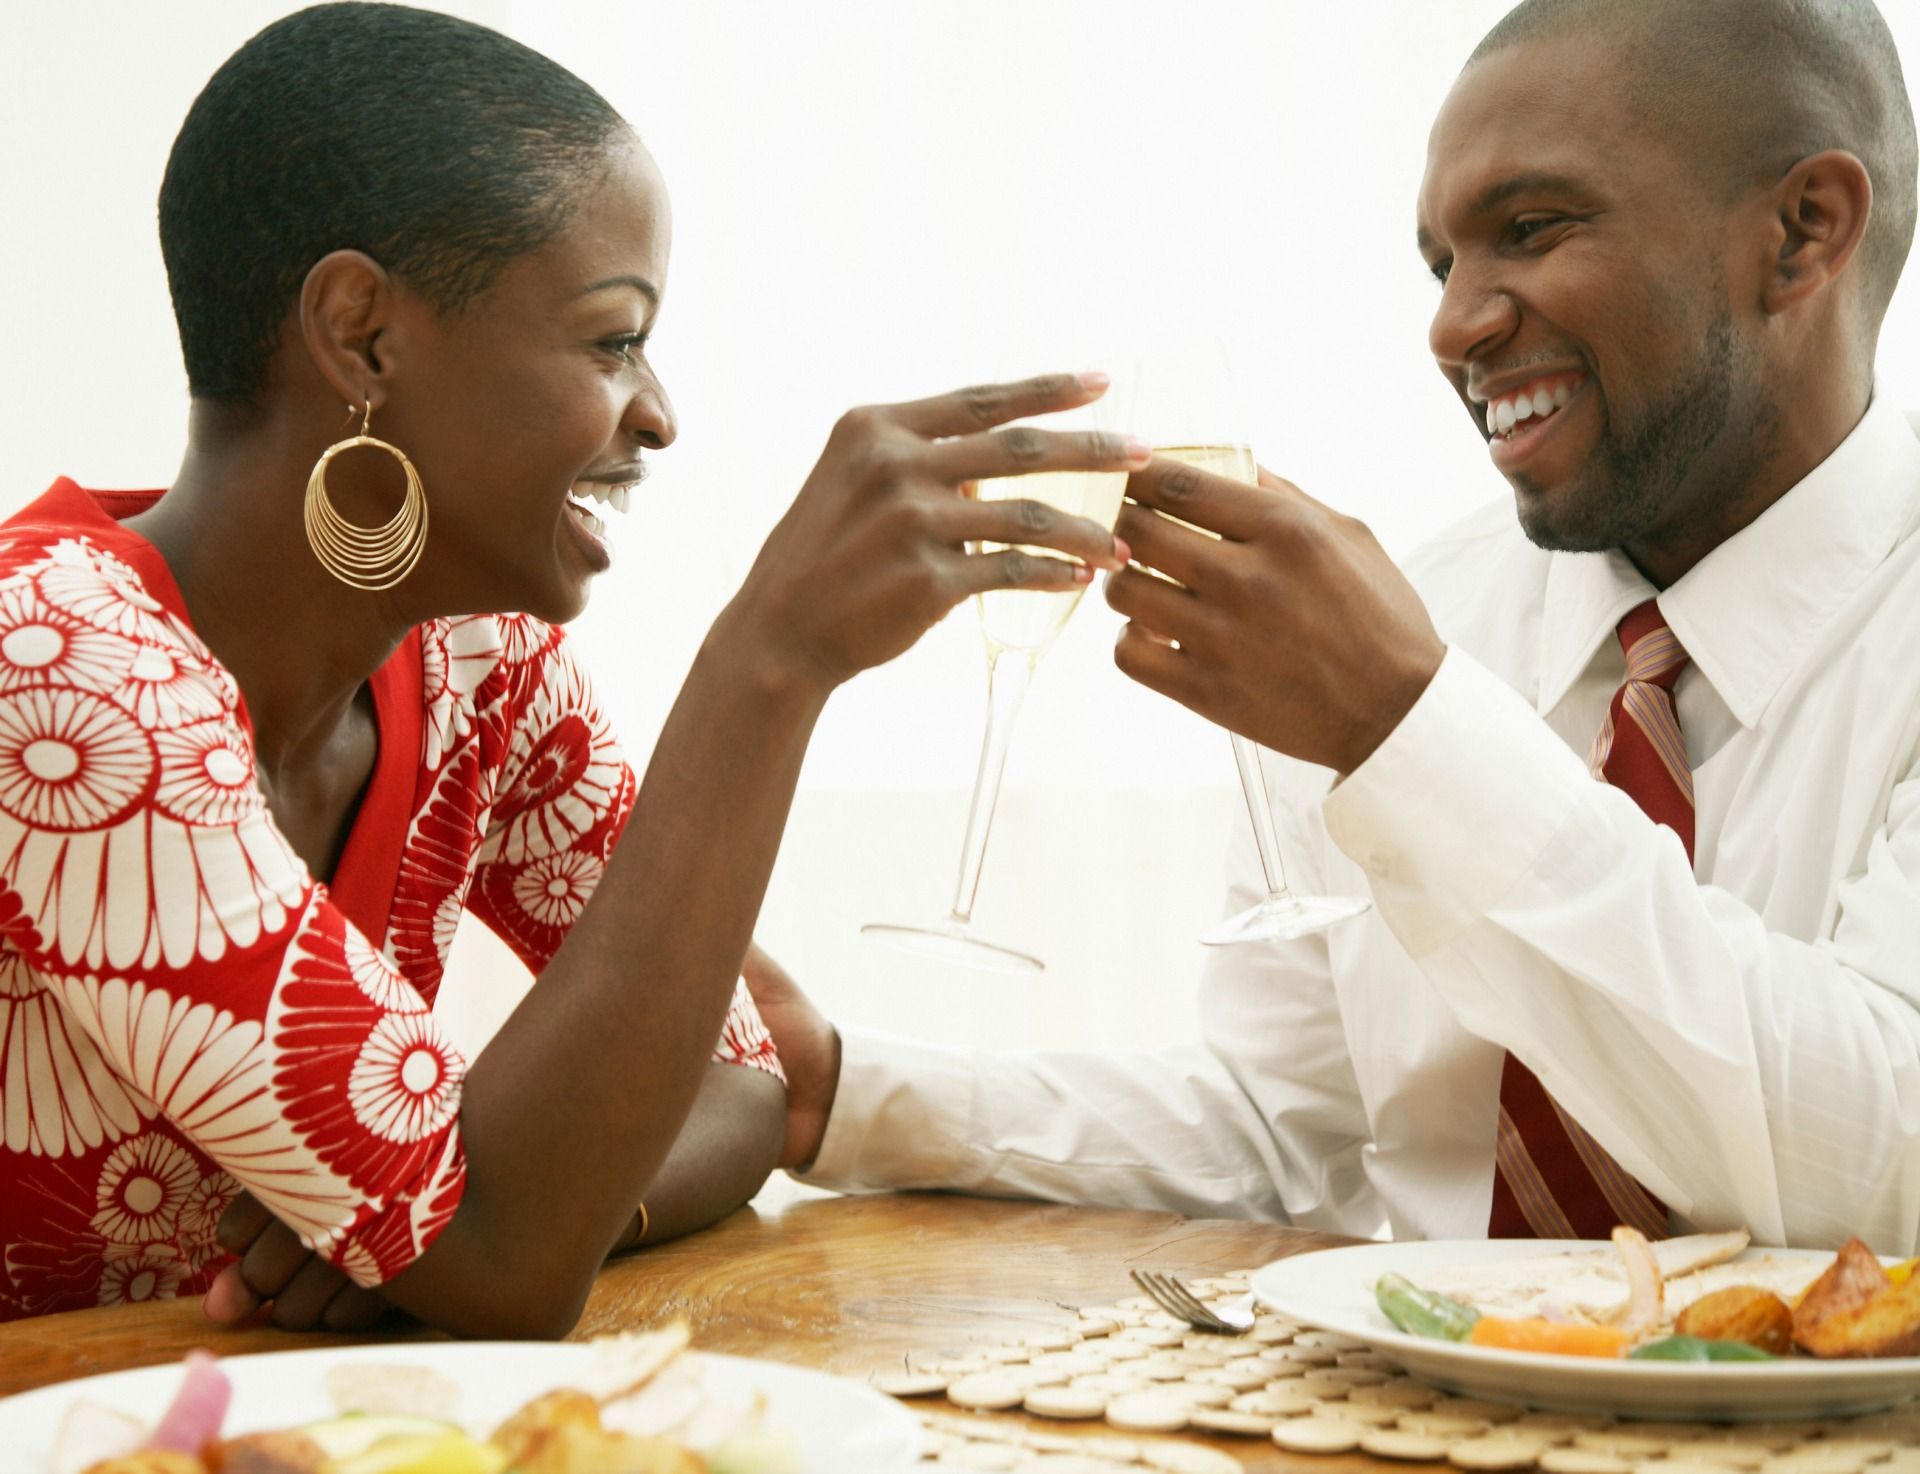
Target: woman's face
x=526 y=406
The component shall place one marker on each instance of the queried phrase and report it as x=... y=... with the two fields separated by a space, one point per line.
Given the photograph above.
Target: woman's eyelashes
x=627 y=347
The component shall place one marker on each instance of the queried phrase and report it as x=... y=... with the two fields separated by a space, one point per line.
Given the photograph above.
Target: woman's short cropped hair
x=440 y=148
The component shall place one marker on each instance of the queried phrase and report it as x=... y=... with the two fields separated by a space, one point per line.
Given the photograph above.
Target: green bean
x=1693 y=1348
x=1421 y=1312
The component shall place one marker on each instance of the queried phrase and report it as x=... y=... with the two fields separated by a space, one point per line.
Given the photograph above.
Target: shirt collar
x=1748 y=610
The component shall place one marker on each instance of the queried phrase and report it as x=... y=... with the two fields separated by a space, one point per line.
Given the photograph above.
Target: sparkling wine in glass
x=1184 y=399
x=1017 y=626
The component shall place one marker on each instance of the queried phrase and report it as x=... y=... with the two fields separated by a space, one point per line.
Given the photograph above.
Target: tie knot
x=1654 y=653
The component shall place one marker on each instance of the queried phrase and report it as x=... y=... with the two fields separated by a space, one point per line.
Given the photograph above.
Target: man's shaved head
x=1750 y=87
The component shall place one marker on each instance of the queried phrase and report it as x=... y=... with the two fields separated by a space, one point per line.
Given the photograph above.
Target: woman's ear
x=1819 y=216
x=346 y=316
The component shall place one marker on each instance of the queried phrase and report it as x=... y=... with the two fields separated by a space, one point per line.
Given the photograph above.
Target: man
x=1665 y=233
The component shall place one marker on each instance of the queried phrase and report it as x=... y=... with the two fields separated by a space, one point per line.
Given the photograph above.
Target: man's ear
x=1819 y=212
x=346 y=320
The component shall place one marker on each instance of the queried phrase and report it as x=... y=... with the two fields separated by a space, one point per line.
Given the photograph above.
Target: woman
x=264 y=737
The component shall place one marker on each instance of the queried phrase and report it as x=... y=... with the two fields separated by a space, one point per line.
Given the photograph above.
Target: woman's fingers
x=354 y=1309
x=1026 y=448
x=982 y=406
x=1029 y=524
x=228 y=1301
x=304 y=1298
x=272 y=1261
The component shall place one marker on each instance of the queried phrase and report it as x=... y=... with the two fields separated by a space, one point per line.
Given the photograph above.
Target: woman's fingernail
x=1082 y=573
x=1137 y=449
x=1123 y=551
x=1094 y=379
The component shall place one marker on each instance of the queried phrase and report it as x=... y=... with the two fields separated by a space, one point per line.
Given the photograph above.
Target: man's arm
x=1745 y=1075
x=1261 y=1118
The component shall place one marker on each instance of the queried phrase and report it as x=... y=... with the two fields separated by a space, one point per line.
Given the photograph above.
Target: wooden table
x=848 y=1285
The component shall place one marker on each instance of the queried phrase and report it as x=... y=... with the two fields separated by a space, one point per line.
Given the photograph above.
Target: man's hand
x=1292 y=628
x=306 y=1293
x=809 y=1052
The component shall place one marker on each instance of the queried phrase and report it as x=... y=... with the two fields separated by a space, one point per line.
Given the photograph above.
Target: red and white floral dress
x=183 y=1011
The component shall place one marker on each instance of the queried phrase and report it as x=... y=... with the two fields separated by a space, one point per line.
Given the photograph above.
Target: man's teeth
x=1539 y=400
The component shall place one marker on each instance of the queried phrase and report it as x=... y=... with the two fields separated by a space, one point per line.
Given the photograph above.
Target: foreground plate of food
x=1575 y=1281
x=806 y=1422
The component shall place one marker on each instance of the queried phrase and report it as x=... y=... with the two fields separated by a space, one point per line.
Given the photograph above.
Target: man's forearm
x=723 y=1154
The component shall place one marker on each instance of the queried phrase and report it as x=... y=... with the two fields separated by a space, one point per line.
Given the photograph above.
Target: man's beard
x=1633 y=483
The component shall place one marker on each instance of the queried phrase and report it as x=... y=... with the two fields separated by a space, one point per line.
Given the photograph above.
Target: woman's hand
x=873 y=551
x=306 y=1293
x=809 y=1049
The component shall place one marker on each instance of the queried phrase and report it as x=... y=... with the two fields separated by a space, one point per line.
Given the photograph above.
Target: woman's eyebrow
x=639 y=283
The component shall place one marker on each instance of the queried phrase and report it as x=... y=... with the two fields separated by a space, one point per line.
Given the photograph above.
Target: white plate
x=838 y=1424
x=1333 y=1289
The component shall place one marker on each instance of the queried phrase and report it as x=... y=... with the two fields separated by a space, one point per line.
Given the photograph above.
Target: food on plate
x=1556 y=1337
x=643 y=1410
x=1696 y=1348
x=1683 y=1300
x=1421 y=1312
x=1744 y=1313
x=1856 y=1309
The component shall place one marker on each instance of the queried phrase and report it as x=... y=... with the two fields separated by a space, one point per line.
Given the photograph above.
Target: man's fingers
x=1184 y=554
x=1030 y=524
x=1024 y=448
x=1145 y=658
x=982 y=406
x=1163 y=608
x=243 y=1222
x=1220 y=504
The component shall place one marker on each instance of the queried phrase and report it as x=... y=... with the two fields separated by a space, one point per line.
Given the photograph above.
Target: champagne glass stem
x=1008 y=673
x=1253 y=783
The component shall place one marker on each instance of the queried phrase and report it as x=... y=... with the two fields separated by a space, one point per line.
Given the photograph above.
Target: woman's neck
x=300 y=643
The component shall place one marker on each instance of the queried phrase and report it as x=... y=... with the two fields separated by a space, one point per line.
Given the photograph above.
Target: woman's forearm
x=570 y=1112
x=720 y=1159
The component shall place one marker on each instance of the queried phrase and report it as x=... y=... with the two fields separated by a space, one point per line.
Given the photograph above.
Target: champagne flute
x=1184 y=399
x=1016 y=626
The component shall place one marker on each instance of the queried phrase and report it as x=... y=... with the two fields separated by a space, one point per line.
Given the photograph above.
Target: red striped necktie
x=1551 y=1179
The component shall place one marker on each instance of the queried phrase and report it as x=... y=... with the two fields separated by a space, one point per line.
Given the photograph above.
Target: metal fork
x=1234 y=1318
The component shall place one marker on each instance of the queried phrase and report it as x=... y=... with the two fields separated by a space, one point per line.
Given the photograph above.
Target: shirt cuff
x=900 y=1117
x=1456 y=805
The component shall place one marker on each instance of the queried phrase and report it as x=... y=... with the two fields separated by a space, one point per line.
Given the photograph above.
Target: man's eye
x=1441 y=271
x=1527 y=227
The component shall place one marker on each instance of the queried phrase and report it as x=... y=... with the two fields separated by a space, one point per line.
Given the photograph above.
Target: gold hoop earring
x=369 y=558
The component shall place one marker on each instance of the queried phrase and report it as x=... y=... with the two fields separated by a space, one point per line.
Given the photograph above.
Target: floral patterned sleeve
x=563 y=799
x=185 y=1012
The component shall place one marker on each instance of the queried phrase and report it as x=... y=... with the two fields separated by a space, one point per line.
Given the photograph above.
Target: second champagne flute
x=1184 y=398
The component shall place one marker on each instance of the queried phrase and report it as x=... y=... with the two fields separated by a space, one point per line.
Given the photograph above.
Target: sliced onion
x=1642 y=1311
x=192 y=1420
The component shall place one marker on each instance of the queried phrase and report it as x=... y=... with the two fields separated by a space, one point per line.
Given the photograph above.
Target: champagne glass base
x=953 y=941
x=1282 y=918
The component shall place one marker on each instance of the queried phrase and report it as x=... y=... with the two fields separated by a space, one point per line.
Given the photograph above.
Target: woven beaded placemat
x=1144 y=1373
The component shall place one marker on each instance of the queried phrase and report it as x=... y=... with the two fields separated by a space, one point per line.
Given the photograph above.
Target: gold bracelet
x=640 y=1237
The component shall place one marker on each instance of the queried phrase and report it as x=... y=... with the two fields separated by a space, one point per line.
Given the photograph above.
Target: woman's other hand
x=809 y=1049
x=274 y=1268
x=873 y=551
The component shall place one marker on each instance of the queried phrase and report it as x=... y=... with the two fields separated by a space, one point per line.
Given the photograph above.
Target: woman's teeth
x=602 y=494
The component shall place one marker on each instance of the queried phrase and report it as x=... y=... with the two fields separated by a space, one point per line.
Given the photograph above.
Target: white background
x=875 y=201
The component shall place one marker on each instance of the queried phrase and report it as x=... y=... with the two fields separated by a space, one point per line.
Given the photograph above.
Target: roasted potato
x=1886 y=1324
x=1746 y=1313
x=150 y=1462
x=1855 y=1277
x=560 y=1433
x=543 y=1420
x=289 y=1452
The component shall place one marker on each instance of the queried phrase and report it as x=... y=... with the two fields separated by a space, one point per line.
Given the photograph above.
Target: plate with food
x=641 y=1404
x=1704 y=1326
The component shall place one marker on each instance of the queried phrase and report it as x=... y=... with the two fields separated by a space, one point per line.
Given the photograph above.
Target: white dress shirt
x=1742 y=1034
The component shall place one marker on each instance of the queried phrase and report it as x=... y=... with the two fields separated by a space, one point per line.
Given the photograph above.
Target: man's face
x=1585 y=317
